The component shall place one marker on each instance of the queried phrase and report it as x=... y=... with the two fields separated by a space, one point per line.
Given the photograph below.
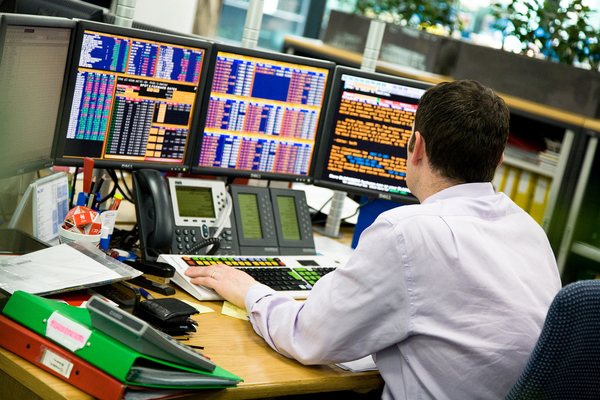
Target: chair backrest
x=565 y=363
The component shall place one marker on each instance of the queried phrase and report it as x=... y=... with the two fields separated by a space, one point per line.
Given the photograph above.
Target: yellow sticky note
x=201 y=309
x=232 y=310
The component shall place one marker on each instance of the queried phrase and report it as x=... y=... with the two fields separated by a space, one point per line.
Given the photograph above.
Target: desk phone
x=201 y=210
x=272 y=221
x=175 y=218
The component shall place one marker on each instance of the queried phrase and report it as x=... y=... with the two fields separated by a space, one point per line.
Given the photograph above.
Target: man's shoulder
x=495 y=206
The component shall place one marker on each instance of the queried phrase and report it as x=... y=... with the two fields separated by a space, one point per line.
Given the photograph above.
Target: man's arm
x=354 y=311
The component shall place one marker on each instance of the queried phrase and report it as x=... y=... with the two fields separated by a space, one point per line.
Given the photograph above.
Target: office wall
x=175 y=15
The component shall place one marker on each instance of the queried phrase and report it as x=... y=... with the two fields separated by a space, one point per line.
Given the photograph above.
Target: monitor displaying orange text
x=369 y=122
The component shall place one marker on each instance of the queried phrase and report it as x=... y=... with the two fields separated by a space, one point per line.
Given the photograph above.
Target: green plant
x=413 y=13
x=562 y=34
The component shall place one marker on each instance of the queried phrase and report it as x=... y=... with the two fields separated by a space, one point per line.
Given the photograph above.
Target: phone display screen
x=195 y=202
x=289 y=217
x=250 y=216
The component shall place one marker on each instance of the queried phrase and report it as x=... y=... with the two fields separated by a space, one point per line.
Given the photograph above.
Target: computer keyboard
x=294 y=275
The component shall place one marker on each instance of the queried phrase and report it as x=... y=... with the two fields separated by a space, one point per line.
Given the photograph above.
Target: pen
x=95 y=195
x=92 y=184
x=99 y=183
x=146 y=295
x=115 y=202
x=91 y=200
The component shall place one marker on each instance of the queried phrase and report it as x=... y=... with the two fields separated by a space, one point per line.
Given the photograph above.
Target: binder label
x=57 y=363
x=66 y=332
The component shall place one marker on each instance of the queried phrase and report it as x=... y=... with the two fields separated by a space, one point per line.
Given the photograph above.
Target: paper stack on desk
x=61 y=268
x=60 y=338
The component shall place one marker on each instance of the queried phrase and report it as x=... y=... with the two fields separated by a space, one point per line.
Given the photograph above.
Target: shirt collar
x=477 y=189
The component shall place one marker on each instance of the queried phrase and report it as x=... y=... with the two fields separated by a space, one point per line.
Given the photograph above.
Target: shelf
x=527 y=166
x=586 y=250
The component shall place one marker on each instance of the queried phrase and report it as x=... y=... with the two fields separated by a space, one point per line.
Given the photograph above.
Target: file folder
x=510 y=183
x=524 y=192
x=71 y=328
x=58 y=361
x=539 y=201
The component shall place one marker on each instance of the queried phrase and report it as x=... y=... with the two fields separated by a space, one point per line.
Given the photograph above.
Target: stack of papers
x=61 y=268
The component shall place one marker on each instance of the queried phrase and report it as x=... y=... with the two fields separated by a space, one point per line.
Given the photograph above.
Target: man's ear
x=501 y=159
x=419 y=150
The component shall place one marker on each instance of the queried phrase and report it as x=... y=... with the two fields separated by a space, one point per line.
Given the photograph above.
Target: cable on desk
x=215 y=242
x=359 y=207
x=129 y=196
x=115 y=179
x=124 y=239
x=320 y=210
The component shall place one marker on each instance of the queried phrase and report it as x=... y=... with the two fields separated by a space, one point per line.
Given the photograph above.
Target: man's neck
x=435 y=184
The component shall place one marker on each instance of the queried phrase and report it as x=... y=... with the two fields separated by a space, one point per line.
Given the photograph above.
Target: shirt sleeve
x=354 y=311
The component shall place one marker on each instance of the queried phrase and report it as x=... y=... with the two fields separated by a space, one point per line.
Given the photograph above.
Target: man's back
x=480 y=278
x=450 y=296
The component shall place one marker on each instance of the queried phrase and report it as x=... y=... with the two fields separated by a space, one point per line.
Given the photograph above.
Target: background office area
x=241 y=148
x=550 y=163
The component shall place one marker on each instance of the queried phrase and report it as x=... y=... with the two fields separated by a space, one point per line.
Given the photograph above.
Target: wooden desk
x=231 y=343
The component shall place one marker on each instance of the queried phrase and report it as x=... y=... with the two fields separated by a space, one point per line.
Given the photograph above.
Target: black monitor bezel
x=45 y=22
x=60 y=138
x=61 y=8
x=266 y=54
x=328 y=129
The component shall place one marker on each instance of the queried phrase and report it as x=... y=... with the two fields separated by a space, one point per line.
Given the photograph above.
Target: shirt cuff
x=255 y=293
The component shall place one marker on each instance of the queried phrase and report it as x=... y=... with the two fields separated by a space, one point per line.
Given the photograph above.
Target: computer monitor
x=61 y=8
x=133 y=98
x=34 y=57
x=262 y=115
x=369 y=120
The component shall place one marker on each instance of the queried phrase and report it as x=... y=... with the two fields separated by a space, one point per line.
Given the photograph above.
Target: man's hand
x=232 y=284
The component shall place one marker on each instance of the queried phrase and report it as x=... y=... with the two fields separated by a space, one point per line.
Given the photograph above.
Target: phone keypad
x=186 y=238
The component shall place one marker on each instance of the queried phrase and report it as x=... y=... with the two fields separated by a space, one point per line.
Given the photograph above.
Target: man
x=449 y=295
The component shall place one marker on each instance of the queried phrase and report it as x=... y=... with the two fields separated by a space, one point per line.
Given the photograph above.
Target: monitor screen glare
x=32 y=71
x=262 y=116
x=133 y=100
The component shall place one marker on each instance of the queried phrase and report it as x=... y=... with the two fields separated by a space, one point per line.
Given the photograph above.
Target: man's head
x=465 y=127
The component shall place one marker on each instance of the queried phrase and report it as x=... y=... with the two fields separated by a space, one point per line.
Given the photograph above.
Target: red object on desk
x=88 y=171
x=40 y=351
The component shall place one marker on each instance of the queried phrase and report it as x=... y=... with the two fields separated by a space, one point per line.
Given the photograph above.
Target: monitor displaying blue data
x=262 y=115
x=134 y=98
x=369 y=123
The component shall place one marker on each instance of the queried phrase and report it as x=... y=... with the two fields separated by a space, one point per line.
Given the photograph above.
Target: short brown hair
x=465 y=126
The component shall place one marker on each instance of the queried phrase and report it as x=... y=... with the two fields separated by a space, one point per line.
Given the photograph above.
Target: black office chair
x=565 y=363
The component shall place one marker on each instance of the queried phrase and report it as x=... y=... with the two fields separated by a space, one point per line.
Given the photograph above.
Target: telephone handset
x=155 y=223
x=179 y=217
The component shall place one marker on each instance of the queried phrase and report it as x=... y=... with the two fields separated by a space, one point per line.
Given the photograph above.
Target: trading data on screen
x=262 y=115
x=133 y=99
x=369 y=133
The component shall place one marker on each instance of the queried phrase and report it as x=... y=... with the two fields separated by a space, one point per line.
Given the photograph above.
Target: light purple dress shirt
x=449 y=296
